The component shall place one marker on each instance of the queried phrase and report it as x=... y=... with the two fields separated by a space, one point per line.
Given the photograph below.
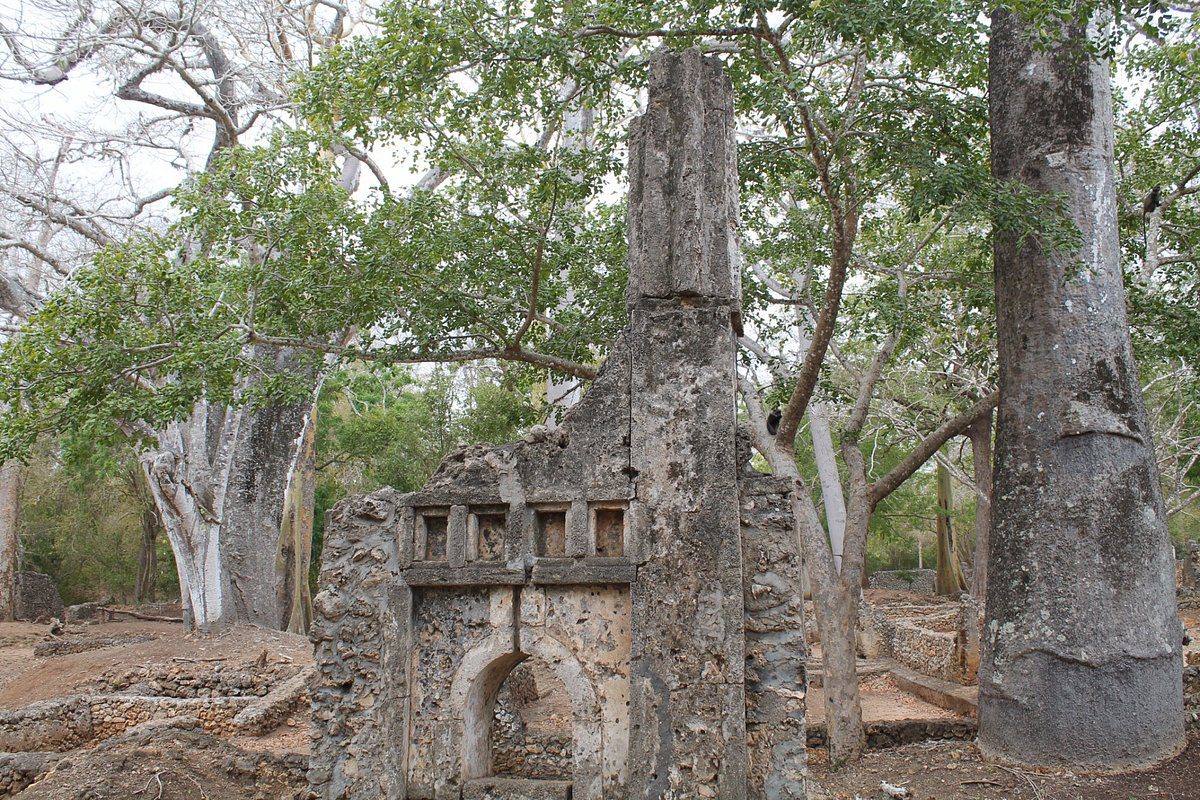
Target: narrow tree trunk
x=10 y=542
x=1081 y=651
x=949 y=579
x=145 y=588
x=831 y=483
x=981 y=454
x=836 y=613
x=295 y=535
x=835 y=606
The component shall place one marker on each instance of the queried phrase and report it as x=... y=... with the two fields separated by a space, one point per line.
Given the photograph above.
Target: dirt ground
x=881 y=700
x=171 y=764
x=157 y=762
x=24 y=679
x=187 y=764
x=953 y=771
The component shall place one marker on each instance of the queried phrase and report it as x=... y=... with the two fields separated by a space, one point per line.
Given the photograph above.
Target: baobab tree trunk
x=186 y=475
x=949 y=578
x=981 y=454
x=262 y=466
x=1081 y=651
x=10 y=542
x=219 y=479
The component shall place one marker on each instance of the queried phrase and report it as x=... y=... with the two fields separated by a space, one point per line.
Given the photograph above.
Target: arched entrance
x=560 y=682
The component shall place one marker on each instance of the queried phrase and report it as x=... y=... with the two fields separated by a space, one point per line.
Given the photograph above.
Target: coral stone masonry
x=609 y=609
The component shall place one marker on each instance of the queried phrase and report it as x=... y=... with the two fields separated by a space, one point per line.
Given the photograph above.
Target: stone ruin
x=610 y=609
x=37 y=597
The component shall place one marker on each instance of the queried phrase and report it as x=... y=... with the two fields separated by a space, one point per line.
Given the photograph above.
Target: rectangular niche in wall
x=432 y=533
x=608 y=529
x=551 y=531
x=485 y=532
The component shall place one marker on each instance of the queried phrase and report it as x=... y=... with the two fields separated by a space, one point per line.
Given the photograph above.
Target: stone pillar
x=776 y=650
x=688 y=701
x=360 y=634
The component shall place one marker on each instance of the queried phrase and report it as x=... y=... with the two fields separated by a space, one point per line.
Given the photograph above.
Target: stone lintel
x=475 y=574
x=572 y=571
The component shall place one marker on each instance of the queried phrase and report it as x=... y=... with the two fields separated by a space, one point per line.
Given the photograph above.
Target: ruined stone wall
x=448 y=626
x=360 y=690
x=919 y=581
x=940 y=640
x=67 y=723
x=776 y=652
x=688 y=657
x=608 y=551
x=468 y=640
x=37 y=597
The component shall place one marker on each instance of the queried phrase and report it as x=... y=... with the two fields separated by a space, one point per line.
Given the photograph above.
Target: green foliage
x=389 y=427
x=80 y=521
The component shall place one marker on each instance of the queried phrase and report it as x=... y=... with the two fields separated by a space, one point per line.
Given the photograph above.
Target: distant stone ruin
x=605 y=611
x=37 y=597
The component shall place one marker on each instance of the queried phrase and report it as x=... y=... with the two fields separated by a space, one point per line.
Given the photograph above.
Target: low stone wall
x=941 y=644
x=928 y=652
x=114 y=713
x=894 y=733
x=51 y=648
x=54 y=725
x=918 y=581
x=268 y=713
x=191 y=680
x=533 y=756
x=59 y=725
x=18 y=770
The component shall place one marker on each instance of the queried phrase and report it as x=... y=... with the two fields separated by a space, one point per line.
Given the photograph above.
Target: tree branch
x=930 y=445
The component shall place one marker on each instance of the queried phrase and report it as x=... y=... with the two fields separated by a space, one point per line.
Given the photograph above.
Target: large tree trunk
x=263 y=464
x=10 y=543
x=219 y=481
x=949 y=578
x=981 y=454
x=1081 y=652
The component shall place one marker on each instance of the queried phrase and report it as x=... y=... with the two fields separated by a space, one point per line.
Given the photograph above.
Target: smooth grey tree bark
x=1081 y=651
x=219 y=480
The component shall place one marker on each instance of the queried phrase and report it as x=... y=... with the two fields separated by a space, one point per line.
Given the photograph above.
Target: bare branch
x=930 y=445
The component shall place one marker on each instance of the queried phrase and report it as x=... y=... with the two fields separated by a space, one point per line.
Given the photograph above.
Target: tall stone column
x=688 y=732
x=1081 y=650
